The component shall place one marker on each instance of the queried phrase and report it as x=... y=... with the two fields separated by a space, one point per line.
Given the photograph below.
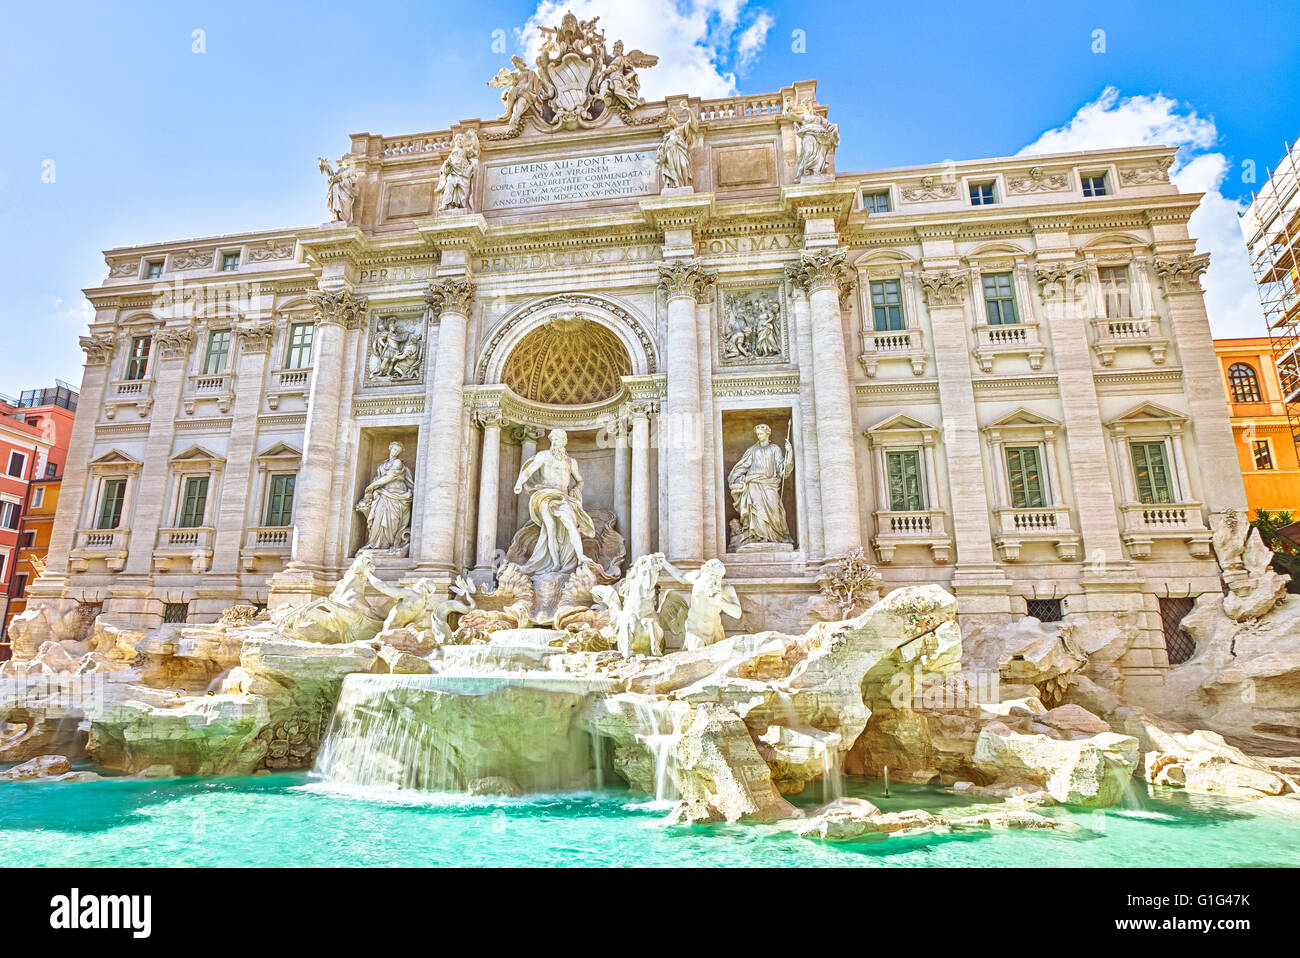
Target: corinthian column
x=639 y=412
x=335 y=311
x=680 y=425
x=489 y=482
x=826 y=280
x=449 y=302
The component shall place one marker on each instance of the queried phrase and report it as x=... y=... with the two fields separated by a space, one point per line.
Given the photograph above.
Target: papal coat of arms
x=577 y=81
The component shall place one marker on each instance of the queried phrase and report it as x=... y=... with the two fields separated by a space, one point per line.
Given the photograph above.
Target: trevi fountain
x=603 y=653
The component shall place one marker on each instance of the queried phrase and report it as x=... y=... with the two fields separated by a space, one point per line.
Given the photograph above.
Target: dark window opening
x=176 y=612
x=1178 y=644
x=1045 y=610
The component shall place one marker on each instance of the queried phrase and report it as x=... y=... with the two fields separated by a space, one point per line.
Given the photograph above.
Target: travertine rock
x=1202 y=762
x=718 y=766
x=1093 y=772
x=43 y=766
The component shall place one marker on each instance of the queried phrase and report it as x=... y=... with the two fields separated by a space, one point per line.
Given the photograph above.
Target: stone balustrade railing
x=1111 y=334
x=1146 y=522
x=927 y=527
x=1008 y=339
x=878 y=344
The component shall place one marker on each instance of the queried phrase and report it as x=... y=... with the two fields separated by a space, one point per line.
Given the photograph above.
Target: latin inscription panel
x=571 y=180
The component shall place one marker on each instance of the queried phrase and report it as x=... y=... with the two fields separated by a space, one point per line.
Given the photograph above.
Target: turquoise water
x=288 y=820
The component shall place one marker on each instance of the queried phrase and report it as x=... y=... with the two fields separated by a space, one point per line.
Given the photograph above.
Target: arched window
x=1242 y=383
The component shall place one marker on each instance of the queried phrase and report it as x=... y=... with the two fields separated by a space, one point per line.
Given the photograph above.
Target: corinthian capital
x=99 y=349
x=449 y=295
x=820 y=269
x=174 y=343
x=944 y=288
x=686 y=279
x=338 y=307
x=255 y=336
x=1065 y=274
x=1182 y=274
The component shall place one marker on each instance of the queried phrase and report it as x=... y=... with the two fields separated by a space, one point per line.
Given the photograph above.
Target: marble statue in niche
x=757 y=484
x=556 y=517
x=751 y=327
x=674 y=155
x=341 y=193
x=386 y=504
x=456 y=178
x=818 y=138
x=396 y=350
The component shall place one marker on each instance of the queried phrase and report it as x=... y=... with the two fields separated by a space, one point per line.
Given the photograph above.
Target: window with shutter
x=1151 y=473
x=1025 y=478
x=194 y=502
x=903 y=470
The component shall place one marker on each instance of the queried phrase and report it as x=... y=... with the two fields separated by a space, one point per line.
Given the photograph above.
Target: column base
x=298 y=584
x=980 y=589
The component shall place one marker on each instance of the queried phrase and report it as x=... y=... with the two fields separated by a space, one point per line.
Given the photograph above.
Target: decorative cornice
x=449 y=295
x=944 y=288
x=338 y=307
x=1182 y=274
x=687 y=279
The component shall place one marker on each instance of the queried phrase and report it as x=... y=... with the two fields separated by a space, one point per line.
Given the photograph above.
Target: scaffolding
x=1273 y=240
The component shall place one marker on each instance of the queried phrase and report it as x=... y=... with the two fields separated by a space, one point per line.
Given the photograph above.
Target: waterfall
x=450 y=732
x=661 y=743
x=832 y=773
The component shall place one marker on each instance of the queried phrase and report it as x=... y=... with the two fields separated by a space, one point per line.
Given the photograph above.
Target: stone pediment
x=196 y=455
x=115 y=457
x=280 y=451
x=1022 y=417
x=900 y=422
x=1147 y=412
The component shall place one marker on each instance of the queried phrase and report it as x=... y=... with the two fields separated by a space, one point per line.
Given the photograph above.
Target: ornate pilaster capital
x=1066 y=274
x=641 y=408
x=451 y=296
x=338 y=307
x=486 y=418
x=174 y=343
x=255 y=335
x=944 y=288
x=1182 y=274
x=520 y=433
x=687 y=278
x=822 y=269
x=99 y=349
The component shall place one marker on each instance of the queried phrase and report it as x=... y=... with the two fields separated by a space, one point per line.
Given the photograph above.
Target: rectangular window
x=229 y=261
x=981 y=194
x=1151 y=472
x=218 y=351
x=17 y=464
x=999 y=299
x=28 y=540
x=300 y=346
x=20 y=585
x=876 y=202
x=4 y=563
x=279 y=502
x=194 y=501
x=137 y=361
x=1115 y=291
x=903 y=470
x=1025 y=478
x=1262 y=453
x=153 y=269
x=9 y=514
x=1094 y=184
x=111 y=501
x=51 y=470
x=887 y=303
x=38 y=497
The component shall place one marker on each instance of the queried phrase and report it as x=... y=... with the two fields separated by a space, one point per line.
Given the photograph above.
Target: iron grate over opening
x=1044 y=610
x=176 y=611
x=1179 y=646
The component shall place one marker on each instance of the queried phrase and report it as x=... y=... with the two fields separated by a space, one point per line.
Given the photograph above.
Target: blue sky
x=152 y=141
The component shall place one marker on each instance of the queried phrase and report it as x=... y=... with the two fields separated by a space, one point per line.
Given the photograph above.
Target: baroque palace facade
x=996 y=375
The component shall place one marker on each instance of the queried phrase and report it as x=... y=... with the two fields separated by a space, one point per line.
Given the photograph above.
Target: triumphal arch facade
x=994 y=374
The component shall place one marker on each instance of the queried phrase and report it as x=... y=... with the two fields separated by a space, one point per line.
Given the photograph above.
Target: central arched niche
x=569 y=361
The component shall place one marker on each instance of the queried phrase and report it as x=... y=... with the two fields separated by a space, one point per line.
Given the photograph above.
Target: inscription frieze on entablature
x=539 y=259
x=392 y=272
x=749 y=244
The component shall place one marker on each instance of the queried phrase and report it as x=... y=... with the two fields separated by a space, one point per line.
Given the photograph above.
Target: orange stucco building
x=1265 y=450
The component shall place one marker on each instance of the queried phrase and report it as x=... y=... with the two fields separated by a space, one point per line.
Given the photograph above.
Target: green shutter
x=1000 y=300
x=903 y=471
x=887 y=304
x=279 y=505
x=218 y=351
x=1151 y=473
x=1025 y=478
x=110 y=507
x=194 y=502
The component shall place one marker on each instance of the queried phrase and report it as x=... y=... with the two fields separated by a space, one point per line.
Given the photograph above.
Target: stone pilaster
x=1180 y=277
x=526 y=437
x=450 y=301
x=622 y=466
x=945 y=294
x=172 y=351
x=826 y=280
x=255 y=338
x=314 y=492
x=814 y=544
x=681 y=428
x=73 y=489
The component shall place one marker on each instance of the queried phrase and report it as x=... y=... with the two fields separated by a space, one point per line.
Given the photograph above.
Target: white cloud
x=702 y=45
x=1114 y=121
